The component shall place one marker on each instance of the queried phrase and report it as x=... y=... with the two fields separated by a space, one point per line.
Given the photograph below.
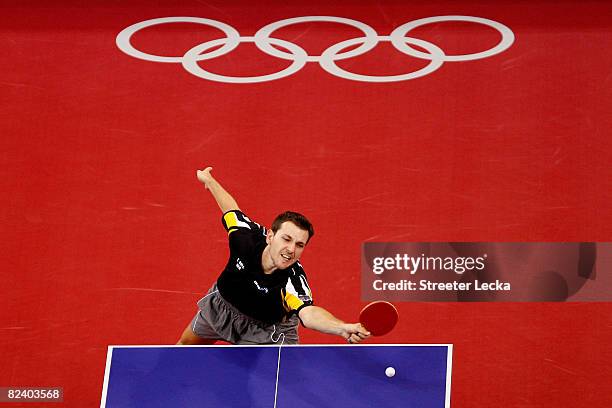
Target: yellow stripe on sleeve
x=231 y=221
x=292 y=301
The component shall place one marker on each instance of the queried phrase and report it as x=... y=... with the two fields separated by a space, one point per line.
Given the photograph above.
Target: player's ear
x=269 y=236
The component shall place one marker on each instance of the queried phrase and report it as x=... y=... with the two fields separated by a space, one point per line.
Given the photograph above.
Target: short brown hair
x=296 y=218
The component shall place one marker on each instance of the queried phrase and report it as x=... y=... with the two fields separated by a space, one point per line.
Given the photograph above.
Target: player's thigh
x=189 y=338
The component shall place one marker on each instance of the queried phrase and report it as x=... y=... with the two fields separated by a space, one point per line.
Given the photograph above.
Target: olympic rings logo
x=299 y=57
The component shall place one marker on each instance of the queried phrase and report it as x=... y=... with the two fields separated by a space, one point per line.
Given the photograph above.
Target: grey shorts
x=217 y=319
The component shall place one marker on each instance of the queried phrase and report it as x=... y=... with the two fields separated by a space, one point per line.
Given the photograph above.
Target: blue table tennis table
x=285 y=376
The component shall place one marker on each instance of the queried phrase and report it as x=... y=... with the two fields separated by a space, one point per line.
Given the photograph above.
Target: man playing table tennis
x=262 y=292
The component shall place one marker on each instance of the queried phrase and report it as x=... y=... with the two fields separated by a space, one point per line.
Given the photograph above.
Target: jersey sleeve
x=297 y=293
x=242 y=232
x=236 y=220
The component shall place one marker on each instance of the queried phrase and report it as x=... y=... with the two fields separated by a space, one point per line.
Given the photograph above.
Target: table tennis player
x=262 y=293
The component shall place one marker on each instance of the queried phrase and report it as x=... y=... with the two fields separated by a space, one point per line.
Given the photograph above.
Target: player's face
x=286 y=244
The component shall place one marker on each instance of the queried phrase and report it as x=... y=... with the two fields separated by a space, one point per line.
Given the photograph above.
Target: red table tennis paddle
x=379 y=317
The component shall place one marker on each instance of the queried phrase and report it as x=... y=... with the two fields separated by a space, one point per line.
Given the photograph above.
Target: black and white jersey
x=269 y=298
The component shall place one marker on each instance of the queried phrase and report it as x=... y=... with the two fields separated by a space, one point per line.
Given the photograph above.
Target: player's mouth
x=286 y=257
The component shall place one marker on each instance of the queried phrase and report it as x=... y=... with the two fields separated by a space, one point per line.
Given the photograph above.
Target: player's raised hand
x=355 y=332
x=204 y=176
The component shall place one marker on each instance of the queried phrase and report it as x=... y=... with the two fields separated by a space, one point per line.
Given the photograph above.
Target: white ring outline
x=300 y=57
x=328 y=64
x=263 y=34
x=125 y=45
x=190 y=62
x=401 y=31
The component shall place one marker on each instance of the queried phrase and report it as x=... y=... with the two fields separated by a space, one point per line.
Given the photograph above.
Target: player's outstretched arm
x=319 y=319
x=225 y=201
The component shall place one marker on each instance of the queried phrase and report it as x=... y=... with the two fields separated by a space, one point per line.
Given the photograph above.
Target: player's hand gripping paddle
x=379 y=317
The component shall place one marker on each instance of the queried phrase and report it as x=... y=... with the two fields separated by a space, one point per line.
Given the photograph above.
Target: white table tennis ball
x=390 y=372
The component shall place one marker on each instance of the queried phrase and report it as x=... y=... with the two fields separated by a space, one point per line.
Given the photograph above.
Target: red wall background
x=107 y=237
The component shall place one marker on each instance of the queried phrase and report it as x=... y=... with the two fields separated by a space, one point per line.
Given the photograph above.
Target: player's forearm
x=319 y=319
x=224 y=199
